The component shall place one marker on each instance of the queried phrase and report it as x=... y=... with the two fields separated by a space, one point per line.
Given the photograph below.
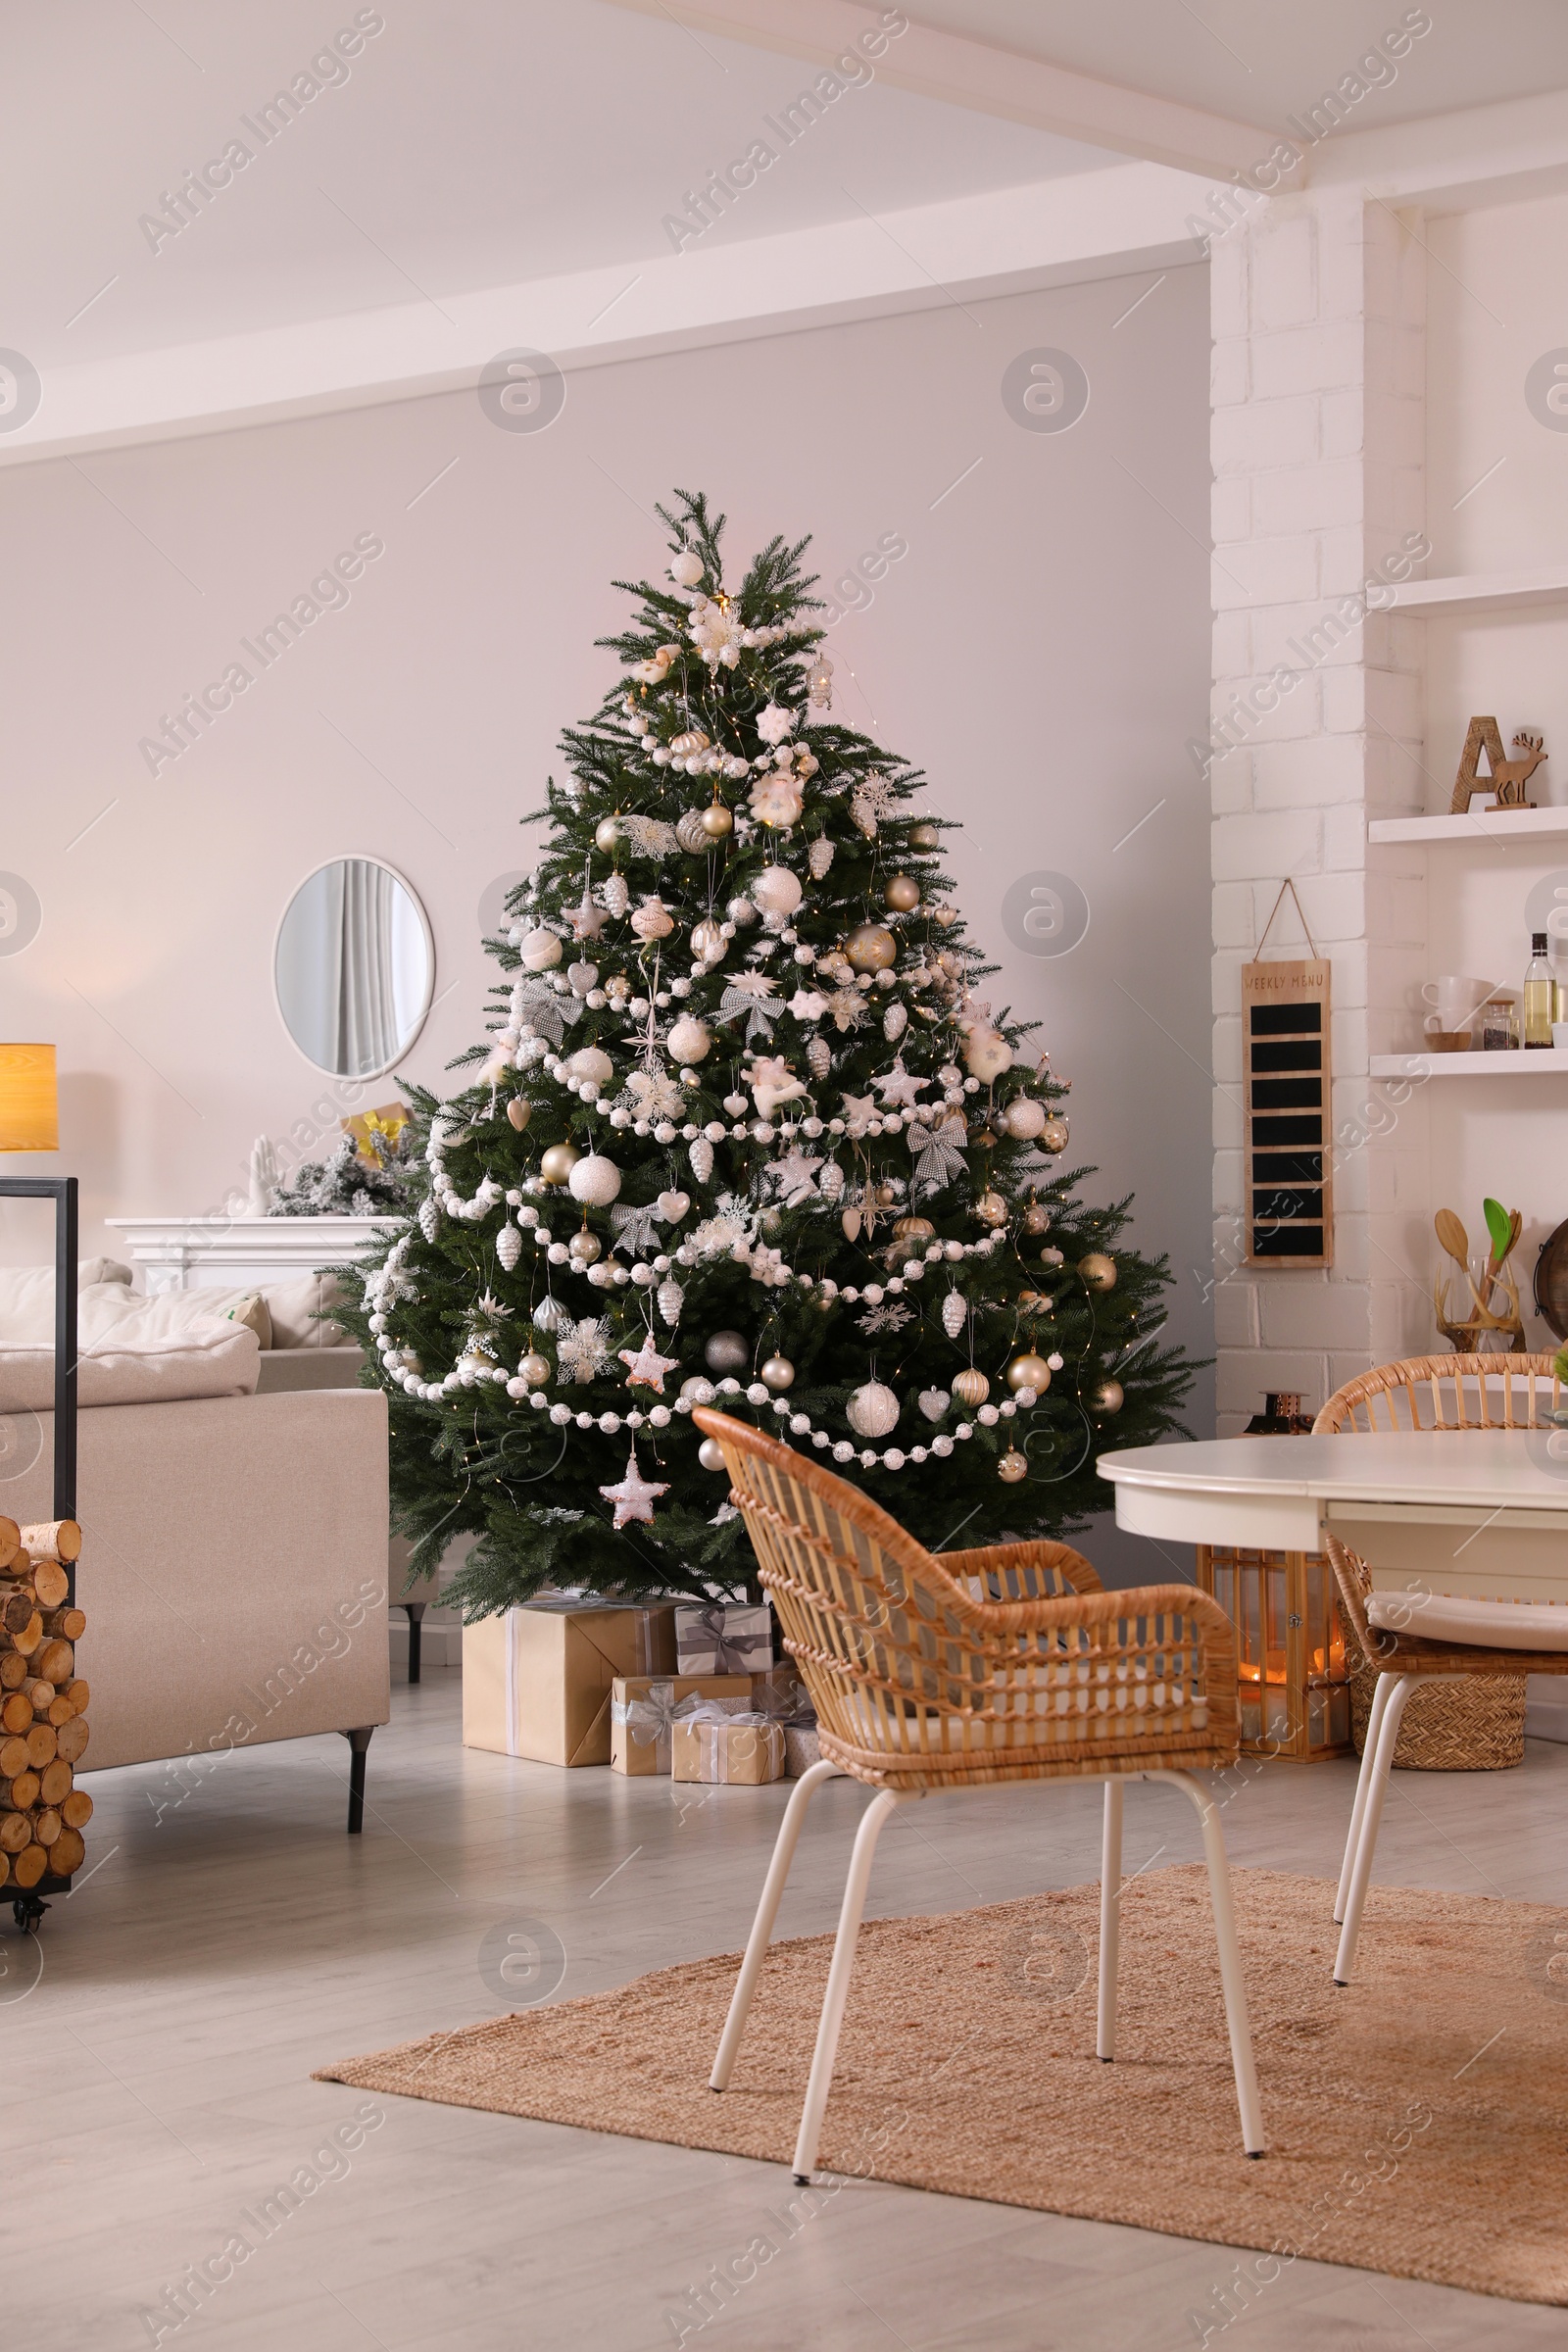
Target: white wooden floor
x=156 y=2074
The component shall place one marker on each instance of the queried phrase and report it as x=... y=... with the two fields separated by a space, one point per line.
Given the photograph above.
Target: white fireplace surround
x=188 y=1254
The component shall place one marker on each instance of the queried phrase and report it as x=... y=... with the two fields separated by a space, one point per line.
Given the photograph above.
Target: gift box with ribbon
x=643 y=1709
x=779 y=1693
x=725 y=1740
x=536 y=1680
x=723 y=1637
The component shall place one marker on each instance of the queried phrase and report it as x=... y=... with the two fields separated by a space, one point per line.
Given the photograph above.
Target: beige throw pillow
x=294 y=1305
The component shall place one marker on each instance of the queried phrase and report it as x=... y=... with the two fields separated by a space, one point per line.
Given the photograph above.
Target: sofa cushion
x=292 y=1306
x=27 y=1294
x=135 y=1351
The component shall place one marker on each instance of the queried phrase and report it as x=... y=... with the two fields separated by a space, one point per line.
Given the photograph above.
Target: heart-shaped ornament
x=672 y=1206
x=581 y=977
x=934 y=1402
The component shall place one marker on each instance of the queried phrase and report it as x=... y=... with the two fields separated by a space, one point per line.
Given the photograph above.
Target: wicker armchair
x=1009 y=1663
x=1438 y=1394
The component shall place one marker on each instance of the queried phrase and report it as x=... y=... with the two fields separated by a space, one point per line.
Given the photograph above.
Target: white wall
x=1040 y=651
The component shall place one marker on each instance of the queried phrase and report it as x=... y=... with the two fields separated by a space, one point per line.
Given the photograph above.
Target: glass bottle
x=1537 y=996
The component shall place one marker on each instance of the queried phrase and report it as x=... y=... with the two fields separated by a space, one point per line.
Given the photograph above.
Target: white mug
x=1457 y=999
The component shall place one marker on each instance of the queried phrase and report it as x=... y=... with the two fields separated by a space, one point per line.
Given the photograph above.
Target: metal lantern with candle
x=1295 y=1687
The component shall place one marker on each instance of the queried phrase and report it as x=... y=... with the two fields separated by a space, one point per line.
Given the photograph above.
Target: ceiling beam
x=1093 y=224
x=1500 y=154
x=963 y=72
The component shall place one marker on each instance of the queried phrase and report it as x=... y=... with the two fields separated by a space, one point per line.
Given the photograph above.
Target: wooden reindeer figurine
x=1505 y=778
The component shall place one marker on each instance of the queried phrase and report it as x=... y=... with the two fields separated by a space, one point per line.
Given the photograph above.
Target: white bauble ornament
x=986 y=1053
x=653 y=919
x=777 y=891
x=508 y=1246
x=616 y=893
x=689 y=1040
x=819 y=856
x=894 y=1023
x=741 y=911
x=701 y=1156
x=594 y=1180
x=955 y=1313
x=669 y=1296
x=711 y=1453
x=430 y=1218
x=539 y=950
x=589 y=1062
x=1024 y=1117
x=873 y=1411
x=686 y=568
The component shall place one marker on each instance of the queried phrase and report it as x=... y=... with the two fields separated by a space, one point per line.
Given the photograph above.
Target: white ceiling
x=493 y=143
x=1262 y=61
x=478 y=143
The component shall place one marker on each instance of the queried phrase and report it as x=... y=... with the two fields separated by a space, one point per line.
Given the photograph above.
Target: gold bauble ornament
x=1109 y=1397
x=717 y=822
x=692 y=833
x=520 y=1110
x=871 y=948
x=777 y=1374
x=1053 y=1136
x=557 y=1163
x=1036 y=1218
x=1097 y=1271
x=991 y=1210
x=1011 y=1468
x=535 y=1370
x=971 y=1387
x=708 y=941
x=902 y=894
x=909 y=1238
x=607 y=833
x=1029 y=1372
x=925 y=837
x=586 y=1247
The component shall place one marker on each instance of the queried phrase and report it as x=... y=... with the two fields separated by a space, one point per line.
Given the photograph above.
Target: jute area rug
x=1417 y=2120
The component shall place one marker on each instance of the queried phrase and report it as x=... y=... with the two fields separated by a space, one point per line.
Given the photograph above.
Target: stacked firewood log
x=43 y=1705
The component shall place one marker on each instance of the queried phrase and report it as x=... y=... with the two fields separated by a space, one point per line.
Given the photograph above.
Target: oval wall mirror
x=354 y=968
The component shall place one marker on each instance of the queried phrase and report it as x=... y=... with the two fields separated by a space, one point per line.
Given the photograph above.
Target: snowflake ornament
x=582 y=1349
x=775 y=723
x=888 y=1318
x=870 y=801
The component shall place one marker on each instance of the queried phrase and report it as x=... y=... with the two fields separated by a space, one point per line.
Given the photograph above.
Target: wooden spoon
x=1452 y=1236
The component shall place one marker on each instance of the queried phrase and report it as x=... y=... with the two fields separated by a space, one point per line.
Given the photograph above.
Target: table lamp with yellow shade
x=29 y=1099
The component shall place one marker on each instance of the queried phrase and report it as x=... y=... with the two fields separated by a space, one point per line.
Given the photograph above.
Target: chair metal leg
x=1242 y=2065
x=778 y=1871
x=1363 y=1779
x=416 y=1614
x=1371 y=1816
x=838 y=1983
x=358 y=1742
x=1110 y=1921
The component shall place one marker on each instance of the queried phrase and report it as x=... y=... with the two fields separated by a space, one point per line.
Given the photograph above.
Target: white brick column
x=1318 y=439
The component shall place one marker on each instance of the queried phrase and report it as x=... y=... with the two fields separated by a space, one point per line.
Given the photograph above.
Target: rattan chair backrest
x=1445 y=1393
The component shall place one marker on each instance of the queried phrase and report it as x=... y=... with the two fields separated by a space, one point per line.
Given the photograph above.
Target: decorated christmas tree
x=746 y=1131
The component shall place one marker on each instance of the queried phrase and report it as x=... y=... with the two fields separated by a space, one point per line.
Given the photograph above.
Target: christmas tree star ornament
x=634 y=1496
x=646 y=1367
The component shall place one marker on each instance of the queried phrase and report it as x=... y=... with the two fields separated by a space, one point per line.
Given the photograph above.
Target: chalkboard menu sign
x=1285 y=1062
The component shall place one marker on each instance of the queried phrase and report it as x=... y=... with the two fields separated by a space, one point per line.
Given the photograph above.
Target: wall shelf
x=1481 y=592
x=1494 y=827
x=1543 y=1063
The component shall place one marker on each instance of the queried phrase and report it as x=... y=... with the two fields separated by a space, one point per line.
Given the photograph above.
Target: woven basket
x=1473 y=1725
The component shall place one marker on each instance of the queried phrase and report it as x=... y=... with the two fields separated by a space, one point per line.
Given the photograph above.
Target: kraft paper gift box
x=708 y=1743
x=721 y=1637
x=642 y=1709
x=779 y=1691
x=536 y=1681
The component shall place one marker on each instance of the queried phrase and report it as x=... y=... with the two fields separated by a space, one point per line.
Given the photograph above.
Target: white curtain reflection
x=353 y=967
